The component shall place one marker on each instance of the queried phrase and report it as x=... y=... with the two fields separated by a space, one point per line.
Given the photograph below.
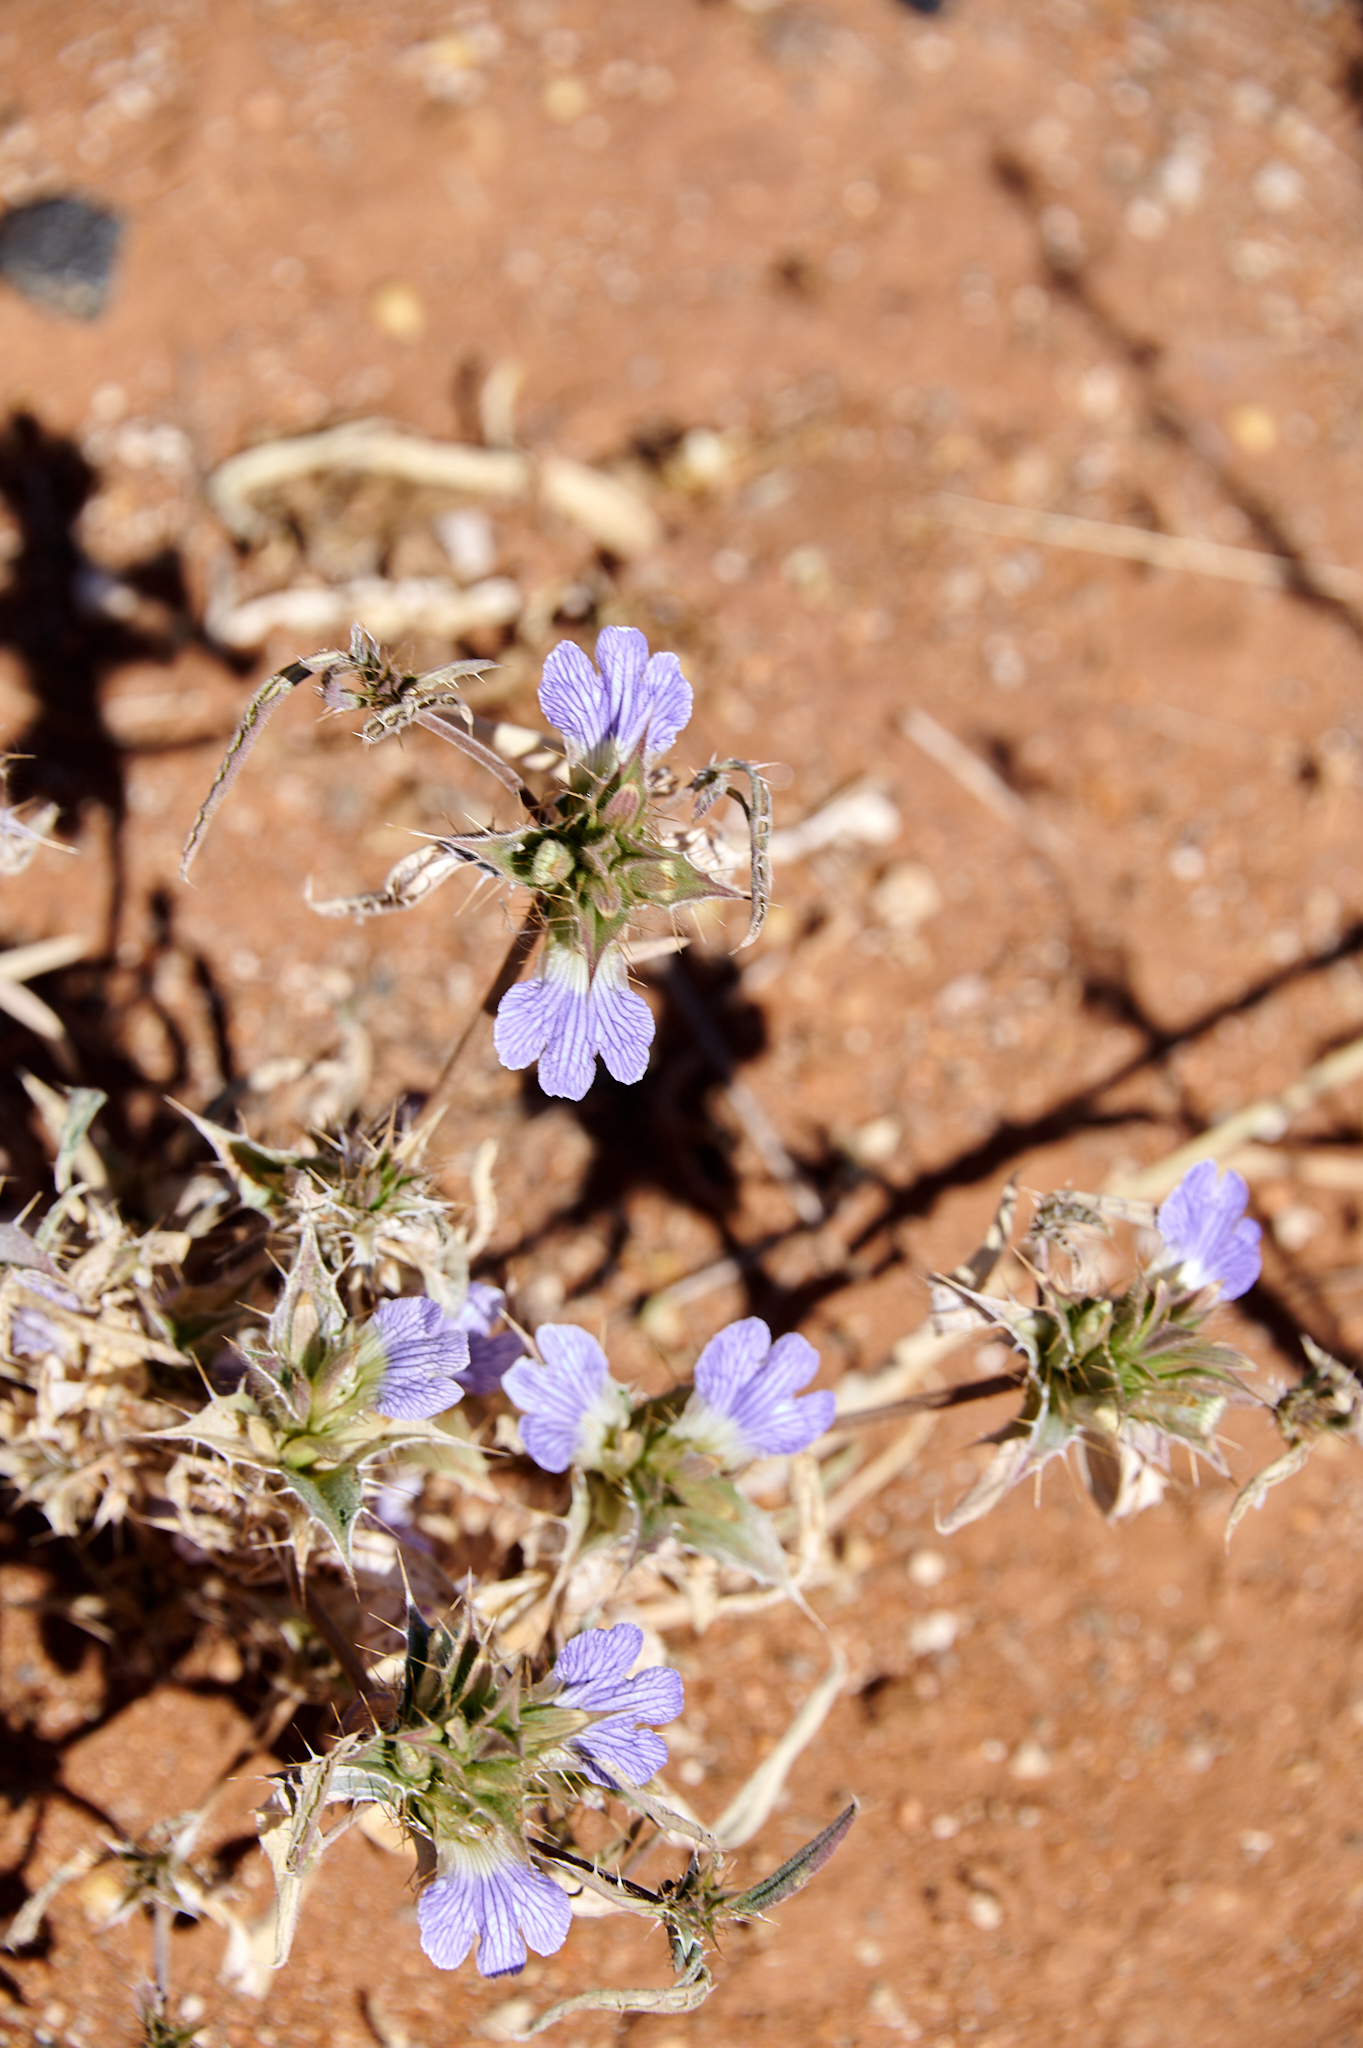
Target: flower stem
x=517 y=954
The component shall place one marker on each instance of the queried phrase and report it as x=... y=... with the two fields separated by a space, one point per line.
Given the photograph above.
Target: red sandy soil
x=1072 y=257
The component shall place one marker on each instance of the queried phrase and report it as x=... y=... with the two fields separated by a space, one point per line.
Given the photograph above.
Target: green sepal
x=308 y=1321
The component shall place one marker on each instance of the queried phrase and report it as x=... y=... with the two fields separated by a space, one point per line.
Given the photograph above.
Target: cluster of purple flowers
x=485 y=1887
x=744 y=1406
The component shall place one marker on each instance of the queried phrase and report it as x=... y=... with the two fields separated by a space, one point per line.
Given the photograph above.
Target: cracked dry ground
x=793 y=271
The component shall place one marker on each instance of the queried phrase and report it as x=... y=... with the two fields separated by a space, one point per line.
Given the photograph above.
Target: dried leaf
x=416 y=876
x=1255 y=1491
x=272 y=692
x=291 y=1834
x=712 y=783
x=27 y=1923
x=257 y=1172
x=693 y=1990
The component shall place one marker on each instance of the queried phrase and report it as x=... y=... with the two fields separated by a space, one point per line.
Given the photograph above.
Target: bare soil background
x=792 y=271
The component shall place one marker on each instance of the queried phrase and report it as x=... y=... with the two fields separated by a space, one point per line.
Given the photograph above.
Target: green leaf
x=720 y=1521
x=794 y=1874
x=333 y=1500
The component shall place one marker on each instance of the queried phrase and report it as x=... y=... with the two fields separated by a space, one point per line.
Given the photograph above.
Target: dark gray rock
x=61 y=252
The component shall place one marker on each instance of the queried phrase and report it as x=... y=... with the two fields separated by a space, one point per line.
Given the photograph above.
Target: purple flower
x=484 y=1887
x=567 y=1015
x=570 y=1402
x=1204 y=1226
x=424 y=1351
x=618 y=1749
x=489 y=1355
x=744 y=1404
x=635 y=700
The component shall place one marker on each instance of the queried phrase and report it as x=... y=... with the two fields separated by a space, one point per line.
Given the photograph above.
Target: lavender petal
x=622 y=657
x=479 y=1309
x=521 y=1029
x=1204 y=1225
x=794 y=1426
x=490 y=1359
x=501 y=1951
x=622 y=1021
x=423 y=1351
x=671 y=700
x=568 y=1061
x=447 y=1917
x=597 y=1657
x=622 y=1751
x=557 y=1395
x=729 y=1361
x=575 y=698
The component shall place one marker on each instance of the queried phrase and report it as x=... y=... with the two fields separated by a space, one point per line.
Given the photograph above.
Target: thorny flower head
x=596 y=850
x=1120 y=1377
x=597 y=858
x=653 y=1471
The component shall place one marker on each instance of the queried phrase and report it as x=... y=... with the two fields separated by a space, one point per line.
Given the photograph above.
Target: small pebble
x=905 y=896
x=60 y=252
x=1296 y=1225
x=927 y=1568
x=1030 y=1761
x=509 y=2020
x=985 y=1911
x=1277 y=187
x=468 y=540
x=934 y=1633
x=1253 y=429
x=398 y=311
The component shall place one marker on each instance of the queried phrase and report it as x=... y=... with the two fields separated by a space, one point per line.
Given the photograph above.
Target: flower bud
x=622 y=808
x=553 y=863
